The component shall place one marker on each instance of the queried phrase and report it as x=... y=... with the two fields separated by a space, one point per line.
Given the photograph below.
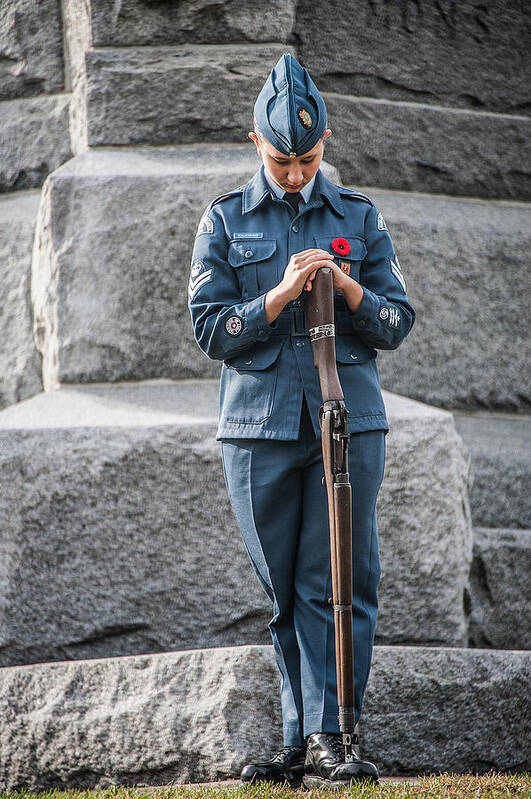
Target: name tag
x=247 y=235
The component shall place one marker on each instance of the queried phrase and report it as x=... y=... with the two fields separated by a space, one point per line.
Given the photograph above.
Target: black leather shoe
x=286 y=766
x=325 y=763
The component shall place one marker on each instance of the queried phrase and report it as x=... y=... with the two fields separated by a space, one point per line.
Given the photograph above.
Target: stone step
x=200 y=715
x=169 y=94
x=137 y=22
x=386 y=64
x=20 y=363
x=116 y=535
x=122 y=97
x=31 y=49
x=500 y=447
x=120 y=283
x=34 y=140
x=466 y=266
x=436 y=149
x=466 y=56
x=500 y=589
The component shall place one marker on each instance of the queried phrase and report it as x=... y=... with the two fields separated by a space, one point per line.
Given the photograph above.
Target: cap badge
x=293 y=155
x=341 y=246
x=305 y=117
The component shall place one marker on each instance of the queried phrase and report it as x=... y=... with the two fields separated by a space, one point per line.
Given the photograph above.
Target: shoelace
x=287 y=750
x=336 y=744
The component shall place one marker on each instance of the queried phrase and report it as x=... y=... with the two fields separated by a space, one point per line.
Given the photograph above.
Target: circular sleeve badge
x=234 y=325
x=384 y=313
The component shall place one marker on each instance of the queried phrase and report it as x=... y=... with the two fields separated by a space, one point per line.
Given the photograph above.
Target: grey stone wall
x=466 y=264
x=20 y=363
x=463 y=55
x=34 y=140
x=31 y=48
x=500 y=589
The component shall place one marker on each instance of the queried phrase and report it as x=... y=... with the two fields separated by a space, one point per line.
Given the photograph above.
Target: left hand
x=351 y=290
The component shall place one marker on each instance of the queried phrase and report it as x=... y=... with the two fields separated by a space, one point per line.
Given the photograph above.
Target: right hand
x=298 y=275
x=301 y=271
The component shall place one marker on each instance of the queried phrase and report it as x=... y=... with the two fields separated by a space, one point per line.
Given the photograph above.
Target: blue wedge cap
x=289 y=110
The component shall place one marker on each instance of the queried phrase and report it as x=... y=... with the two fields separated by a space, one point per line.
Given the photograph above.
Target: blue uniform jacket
x=244 y=242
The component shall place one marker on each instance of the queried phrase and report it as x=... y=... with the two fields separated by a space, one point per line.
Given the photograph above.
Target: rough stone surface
x=424 y=529
x=34 y=140
x=463 y=54
x=126 y=531
x=116 y=535
x=500 y=589
x=430 y=710
x=201 y=715
x=170 y=94
x=134 y=22
x=20 y=363
x=466 y=264
x=110 y=296
x=500 y=447
x=418 y=147
x=31 y=48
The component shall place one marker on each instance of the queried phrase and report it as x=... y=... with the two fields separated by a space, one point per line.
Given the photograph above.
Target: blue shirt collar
x=258 y=188
x=279 y=191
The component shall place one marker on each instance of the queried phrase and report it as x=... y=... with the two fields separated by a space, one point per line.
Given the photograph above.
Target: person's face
x=292 y=174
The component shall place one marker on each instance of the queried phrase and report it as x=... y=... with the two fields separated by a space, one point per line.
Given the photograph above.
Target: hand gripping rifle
x=319 y=304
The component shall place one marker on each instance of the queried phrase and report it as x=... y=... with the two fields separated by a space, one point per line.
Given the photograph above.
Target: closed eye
x=304 y=161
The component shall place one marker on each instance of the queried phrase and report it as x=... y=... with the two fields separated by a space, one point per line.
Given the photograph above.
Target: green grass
x=443 y=786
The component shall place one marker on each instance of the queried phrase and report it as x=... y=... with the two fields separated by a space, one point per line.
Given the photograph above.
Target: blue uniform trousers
x=281 y=507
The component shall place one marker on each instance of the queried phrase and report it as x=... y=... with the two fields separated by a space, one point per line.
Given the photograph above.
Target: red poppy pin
x=341 y=246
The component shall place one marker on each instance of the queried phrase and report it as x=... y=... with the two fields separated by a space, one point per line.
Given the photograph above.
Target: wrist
x=275 y=301
x=353 y=293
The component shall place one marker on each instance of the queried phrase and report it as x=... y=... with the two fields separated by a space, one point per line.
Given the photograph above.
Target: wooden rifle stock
x=319 y=304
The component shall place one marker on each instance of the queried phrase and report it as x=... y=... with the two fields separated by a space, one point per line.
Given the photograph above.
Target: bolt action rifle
x=319 y=303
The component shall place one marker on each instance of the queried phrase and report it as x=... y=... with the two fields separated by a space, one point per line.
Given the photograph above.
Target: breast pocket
x=350 y=262
x=255 y=264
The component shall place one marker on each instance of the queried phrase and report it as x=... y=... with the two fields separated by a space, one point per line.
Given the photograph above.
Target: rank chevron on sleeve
x=196 y=282
x=397 y=272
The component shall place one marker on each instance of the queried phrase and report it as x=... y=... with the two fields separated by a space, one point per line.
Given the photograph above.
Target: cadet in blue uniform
x=257 y=250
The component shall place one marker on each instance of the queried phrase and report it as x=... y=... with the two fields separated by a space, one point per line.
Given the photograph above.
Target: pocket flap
x=358 y=248
x=258 y=357
x=350 y=349
x=249 y=252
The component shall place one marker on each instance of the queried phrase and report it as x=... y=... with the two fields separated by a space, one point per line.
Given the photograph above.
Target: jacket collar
x=255 y=192
x=257 y=189
x=325 y=188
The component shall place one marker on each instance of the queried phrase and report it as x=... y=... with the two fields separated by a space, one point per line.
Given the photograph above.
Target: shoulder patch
x=381 y=222
x=350 y=194
x=226 y=196
x=206 y=225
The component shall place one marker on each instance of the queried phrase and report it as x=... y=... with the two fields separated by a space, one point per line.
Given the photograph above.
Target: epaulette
x=355 y=195
x=226 y=196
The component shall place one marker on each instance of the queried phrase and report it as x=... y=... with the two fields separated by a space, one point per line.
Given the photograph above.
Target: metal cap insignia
x=305 y=117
